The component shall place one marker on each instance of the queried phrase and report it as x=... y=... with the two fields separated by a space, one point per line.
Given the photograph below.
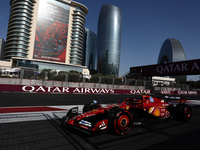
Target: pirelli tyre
x=183 y=112
x=119 y=121
x=90 y=106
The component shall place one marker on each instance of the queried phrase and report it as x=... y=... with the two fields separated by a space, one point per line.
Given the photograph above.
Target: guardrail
x=87 y=84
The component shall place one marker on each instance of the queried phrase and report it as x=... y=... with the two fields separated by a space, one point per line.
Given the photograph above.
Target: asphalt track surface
x=41 y=129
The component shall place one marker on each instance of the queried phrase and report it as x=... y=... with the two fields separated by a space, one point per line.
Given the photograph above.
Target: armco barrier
x=76 y=90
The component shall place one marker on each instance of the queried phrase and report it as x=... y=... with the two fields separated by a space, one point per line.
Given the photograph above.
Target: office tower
x=46 y=32
x=2 y=48
x=172 y=51
x=90 y=50
x=109 y=40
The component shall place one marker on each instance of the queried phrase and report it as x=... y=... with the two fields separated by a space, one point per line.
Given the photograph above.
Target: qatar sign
x=81 y=90
x=44 y=89
x=191 y=67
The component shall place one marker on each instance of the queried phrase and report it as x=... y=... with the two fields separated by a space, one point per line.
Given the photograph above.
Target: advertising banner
x=190 y=67
x=51 y=31
x=79 y=90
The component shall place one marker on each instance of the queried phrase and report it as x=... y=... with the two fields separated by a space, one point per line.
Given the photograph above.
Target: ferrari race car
x=119 y=118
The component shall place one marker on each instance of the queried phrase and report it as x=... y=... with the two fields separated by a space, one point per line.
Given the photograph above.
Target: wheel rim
x=188 y=113
x=122 y=124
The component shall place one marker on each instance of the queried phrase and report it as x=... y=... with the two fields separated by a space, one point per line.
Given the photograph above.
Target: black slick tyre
x=183 y=112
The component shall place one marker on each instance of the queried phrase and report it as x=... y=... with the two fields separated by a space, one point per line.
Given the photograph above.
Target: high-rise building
x=2 y=48
x=46 y=33
x=109 y=40
x=172 y=51
x=90 y=50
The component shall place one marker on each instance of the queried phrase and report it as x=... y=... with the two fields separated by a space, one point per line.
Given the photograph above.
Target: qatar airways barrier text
x=73 y=90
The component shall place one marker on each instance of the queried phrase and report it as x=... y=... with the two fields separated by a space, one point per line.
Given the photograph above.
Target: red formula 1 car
x=119 y=118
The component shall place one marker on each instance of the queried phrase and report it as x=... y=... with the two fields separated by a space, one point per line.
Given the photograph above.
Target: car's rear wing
x=182 y=101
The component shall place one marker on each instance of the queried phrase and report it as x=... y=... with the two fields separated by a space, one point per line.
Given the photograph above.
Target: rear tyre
x=183 y=112
x=119 y=121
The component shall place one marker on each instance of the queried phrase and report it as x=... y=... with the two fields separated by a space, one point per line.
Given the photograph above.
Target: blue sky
x=146 y=24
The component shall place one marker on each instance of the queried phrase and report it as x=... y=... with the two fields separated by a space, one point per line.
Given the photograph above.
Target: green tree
x=61 y=76
x=95 y=78
x=49 y=72
x=74 y=76
x=108 y=79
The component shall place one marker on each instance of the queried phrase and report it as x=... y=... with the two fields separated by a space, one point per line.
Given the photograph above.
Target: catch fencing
x=71 y=79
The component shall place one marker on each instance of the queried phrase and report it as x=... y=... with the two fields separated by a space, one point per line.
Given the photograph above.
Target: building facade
x=109 y=40
x=90 y=50
x=172 y=51
x=2 y=48
x=47 y=32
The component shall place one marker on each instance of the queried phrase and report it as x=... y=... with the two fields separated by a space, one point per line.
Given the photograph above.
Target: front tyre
x=120 y=121
x=188 y=113
x=63 y=122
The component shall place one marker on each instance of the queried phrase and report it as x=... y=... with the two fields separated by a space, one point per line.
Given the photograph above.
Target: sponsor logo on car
x=157 y=112
x=102 y=126
x=151 y=99
x=151 y=110
x=127 y=107
x=85 y=123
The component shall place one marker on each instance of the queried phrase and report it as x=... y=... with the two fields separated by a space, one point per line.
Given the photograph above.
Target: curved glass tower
x=172 y=51
x=19 y=28
x=109 y=40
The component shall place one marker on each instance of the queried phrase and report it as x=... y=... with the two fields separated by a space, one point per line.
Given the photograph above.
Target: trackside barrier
x=79 y=90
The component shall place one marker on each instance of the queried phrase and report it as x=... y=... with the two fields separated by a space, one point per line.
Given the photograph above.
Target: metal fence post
x=83 y=82
x=21 y=76
x=99 y=82
x=45 y=78
x=53 y=81
x=113 y=82
x=66 y=80
x=125 y=82
x=135 y=84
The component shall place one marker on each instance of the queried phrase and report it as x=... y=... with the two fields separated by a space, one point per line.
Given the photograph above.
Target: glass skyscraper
x=109 y=40
x=2 y=48
x=90 y=50
x=172 y=51
x=19 y=29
